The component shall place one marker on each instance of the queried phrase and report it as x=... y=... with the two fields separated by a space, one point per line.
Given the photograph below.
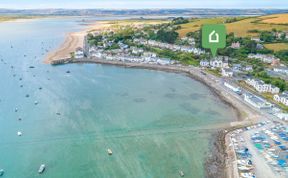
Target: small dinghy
x=181 y=173
x=19 y=133
x=109 y=151
x=41 y=169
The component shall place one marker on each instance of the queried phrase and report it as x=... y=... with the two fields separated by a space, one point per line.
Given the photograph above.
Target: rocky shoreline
x=218 y=163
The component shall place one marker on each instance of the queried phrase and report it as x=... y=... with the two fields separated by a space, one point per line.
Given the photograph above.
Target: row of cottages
x=262 y=87
x=189 y=49
x=282 y=98
x=217 y=62
x=270 y=59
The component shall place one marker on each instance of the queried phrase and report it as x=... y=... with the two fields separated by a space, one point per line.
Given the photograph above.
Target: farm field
x=277 y=46
x=276 y=19
x=240 y=28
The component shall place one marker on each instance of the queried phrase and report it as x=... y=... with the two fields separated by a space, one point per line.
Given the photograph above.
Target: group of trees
x=179 y=20
x=267 y=36
x=282 y=55
x=167 y=36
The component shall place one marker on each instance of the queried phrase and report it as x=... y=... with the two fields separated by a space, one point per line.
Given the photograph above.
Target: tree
x=267 y=36
x=167 y=36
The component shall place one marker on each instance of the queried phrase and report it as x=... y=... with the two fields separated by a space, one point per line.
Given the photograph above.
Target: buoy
x=109 y=151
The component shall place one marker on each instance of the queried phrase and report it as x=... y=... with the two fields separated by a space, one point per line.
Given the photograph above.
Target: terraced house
x=262 y=87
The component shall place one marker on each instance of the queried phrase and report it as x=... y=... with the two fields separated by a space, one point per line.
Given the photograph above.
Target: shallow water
x=156 y=123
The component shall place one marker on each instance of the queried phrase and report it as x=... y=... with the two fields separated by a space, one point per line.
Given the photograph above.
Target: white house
x=204 y=63
x=226 y=72
x=262 y=87
x=235 y=45
x=248 y=68
x=282 y=98
x=79 y=53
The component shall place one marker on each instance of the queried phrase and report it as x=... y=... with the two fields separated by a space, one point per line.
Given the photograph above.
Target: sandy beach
x=76 y=39
x=73 y=41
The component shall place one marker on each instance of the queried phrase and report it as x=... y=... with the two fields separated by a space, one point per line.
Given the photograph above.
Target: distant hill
x=144 y=12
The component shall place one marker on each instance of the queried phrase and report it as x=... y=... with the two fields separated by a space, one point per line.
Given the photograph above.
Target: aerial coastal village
x=250 y=68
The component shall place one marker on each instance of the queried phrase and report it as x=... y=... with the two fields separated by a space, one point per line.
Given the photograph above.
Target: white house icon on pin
x=213 y=37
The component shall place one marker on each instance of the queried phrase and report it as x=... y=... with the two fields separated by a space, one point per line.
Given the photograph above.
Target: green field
x=277 y=46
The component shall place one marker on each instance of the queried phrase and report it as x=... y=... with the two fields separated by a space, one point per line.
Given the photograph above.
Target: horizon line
x=199 y=8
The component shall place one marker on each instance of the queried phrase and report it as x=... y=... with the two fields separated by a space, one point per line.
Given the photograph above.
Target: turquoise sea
x=156 y=123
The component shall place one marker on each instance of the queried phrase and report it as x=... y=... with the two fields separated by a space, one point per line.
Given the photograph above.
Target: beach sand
x=76 y=39
x=73 y=41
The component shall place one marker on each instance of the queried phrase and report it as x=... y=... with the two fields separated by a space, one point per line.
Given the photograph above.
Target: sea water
x=156 y=123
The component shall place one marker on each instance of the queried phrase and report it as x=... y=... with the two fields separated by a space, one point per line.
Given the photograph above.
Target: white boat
x=19 y=133
x=41 y=169
x=181 y=173
x=109 y=151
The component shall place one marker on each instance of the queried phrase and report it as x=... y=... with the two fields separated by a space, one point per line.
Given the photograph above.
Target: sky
x=142 y=4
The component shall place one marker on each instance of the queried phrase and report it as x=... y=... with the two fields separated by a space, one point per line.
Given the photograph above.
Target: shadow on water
x=189 y=108
x=139 y=100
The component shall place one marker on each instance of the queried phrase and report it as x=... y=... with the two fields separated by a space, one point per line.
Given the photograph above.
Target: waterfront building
x=79 y=53
x=232 y=87
x=204 y=63
x=281 y=69
x=226 y=72
x=137 y=51
x=257 y=101
x=261 y=86
x=282 y=98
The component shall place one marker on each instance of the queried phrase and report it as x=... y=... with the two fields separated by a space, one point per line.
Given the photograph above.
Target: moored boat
x=41 y=168
x=109 y=151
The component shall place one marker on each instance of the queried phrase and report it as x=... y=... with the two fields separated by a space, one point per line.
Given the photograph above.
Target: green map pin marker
x=213 y=37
